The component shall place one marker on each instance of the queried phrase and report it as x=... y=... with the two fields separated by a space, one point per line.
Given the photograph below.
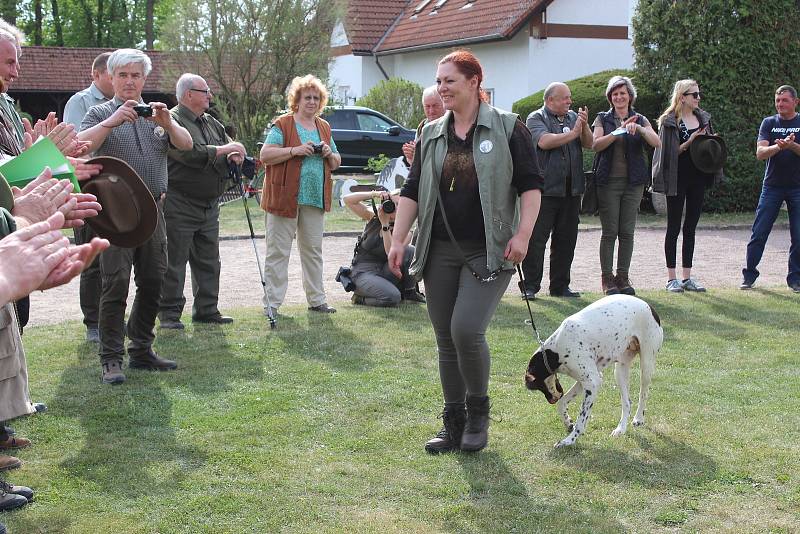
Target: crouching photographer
x=375 y=285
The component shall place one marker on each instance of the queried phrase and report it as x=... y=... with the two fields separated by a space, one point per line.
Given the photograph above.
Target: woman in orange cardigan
x=300 y=154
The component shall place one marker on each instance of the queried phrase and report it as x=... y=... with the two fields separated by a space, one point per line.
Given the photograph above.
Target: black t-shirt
x=688 y=173
x=459 y=182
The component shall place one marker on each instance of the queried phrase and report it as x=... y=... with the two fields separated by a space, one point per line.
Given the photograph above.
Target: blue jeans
x=767 y=211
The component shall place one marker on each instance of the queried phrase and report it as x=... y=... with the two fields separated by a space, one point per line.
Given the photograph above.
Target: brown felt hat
x=708 y=152
x=129 y=213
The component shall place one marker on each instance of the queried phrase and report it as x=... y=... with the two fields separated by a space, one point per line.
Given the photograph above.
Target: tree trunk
x=37 y=22
x=57 y=23
x=149 y=31
x=100 y=23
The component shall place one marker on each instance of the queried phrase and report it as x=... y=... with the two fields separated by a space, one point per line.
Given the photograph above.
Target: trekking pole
x=235 y=172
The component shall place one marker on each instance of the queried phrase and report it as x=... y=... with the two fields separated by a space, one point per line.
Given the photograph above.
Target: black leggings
x=692 y=194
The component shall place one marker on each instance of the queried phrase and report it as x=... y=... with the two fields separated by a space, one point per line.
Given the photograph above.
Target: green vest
x=494 y=168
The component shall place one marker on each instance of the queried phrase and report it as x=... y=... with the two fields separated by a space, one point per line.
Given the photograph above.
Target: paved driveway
x=719 y=256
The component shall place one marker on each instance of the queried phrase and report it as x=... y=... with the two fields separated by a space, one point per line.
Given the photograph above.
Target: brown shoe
x=112 y=372
x=609 y=284
x=624 y=284
x=151 y=361
x=9 y=462
x=13 y=442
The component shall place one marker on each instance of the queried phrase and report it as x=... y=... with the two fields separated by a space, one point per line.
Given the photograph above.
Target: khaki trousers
x=280 y=232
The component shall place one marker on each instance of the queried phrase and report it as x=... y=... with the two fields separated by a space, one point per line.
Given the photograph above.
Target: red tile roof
x=453 y=23
x=368 y=20
x=62 y=69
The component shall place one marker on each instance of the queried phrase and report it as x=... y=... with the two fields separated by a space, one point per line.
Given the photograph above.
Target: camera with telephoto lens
x=317 y=148
x=343 y=277
x=143 y=110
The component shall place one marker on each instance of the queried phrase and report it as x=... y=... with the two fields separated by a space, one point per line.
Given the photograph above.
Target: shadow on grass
x=500 y=502
x=130 y=446
x=664 y=463
x=325 y=340
x=129 y=443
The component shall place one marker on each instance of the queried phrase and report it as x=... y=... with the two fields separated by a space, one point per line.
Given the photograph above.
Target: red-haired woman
x=469 y=168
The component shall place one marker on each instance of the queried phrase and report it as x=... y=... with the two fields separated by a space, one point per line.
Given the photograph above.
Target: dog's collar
x=546 y=363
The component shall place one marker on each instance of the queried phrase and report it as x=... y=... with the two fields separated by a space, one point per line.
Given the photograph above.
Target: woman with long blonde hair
x=677 y=176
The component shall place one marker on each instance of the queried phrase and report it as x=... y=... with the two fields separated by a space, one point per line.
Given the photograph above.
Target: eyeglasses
x=206 y=91
x=696 y=95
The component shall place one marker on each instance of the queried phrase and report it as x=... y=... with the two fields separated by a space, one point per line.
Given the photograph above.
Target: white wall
x=503 y=67
x=560 y=59
x=515 y=68
x=596 y=12
x=344 y=73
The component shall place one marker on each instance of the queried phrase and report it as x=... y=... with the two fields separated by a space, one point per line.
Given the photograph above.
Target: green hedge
x=398 y=99
x=590 y=91
x=739 y=52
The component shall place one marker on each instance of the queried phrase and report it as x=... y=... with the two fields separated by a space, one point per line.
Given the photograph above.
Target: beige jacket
x=15 y=399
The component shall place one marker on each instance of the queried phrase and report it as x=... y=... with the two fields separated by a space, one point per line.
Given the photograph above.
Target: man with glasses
x=777 y=144
x=197 y=177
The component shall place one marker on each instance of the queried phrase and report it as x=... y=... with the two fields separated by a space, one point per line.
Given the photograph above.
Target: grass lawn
x=233 y=222
x=318 y=426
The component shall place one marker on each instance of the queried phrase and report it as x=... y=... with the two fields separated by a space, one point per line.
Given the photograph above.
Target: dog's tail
x=655 y=315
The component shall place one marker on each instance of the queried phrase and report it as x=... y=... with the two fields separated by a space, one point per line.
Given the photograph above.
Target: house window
x=490 y=92
x=468 y=4
x=421 y=6
x=439 y=4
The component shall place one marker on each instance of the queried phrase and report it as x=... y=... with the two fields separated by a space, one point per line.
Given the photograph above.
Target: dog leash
x=532 y=323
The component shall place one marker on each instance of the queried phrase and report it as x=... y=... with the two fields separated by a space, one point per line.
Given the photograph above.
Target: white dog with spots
x=613 y=329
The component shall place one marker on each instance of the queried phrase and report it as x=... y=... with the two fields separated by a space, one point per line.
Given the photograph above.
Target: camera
x=343 y=277
x=388 y=206
x=317 y=148
x=143 y=110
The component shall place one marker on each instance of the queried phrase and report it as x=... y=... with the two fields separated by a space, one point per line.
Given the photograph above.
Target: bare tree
x=251 y=50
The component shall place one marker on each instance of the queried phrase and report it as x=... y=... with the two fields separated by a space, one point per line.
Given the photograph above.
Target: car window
x=372 y=123
x=341 y=119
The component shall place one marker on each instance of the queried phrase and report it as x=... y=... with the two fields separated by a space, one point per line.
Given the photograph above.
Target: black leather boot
x=449 y=437
x=476 y=431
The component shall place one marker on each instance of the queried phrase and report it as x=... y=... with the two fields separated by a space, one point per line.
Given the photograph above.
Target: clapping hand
x=786 y=142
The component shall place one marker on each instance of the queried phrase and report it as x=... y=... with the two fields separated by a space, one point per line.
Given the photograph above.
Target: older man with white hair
x=141 y=135
x=433 y=107
x=197 y=177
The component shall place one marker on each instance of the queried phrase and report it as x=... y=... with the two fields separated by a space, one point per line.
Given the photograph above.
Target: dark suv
x=362 y=133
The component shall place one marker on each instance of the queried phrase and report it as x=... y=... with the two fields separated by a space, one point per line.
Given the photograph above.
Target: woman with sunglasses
x=676 y=175
x=474 y=188
x=621 y=173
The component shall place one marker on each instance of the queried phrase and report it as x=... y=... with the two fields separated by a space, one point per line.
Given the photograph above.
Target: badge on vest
x=566 y=129
x=159 y=132
x=486 y=146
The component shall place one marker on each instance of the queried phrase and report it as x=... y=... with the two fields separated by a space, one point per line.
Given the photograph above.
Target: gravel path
x=719 y=256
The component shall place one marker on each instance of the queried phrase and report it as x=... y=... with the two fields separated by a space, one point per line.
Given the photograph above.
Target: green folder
x=26 y=167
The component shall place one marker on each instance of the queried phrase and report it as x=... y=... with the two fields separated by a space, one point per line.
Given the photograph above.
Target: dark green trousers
x=193 y=237
x=91 y=282
x=148 y=261
x=618 y=203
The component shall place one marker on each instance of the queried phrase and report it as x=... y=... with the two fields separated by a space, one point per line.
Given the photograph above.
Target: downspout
x=378 y=63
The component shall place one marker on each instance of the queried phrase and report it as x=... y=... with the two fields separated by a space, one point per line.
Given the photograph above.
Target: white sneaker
x=693 y=285
x=675 y=286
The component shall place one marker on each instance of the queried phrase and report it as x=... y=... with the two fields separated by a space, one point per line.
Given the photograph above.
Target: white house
x=522 y=44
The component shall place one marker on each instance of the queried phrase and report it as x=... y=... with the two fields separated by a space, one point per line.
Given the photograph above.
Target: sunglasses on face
x=696 y=95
